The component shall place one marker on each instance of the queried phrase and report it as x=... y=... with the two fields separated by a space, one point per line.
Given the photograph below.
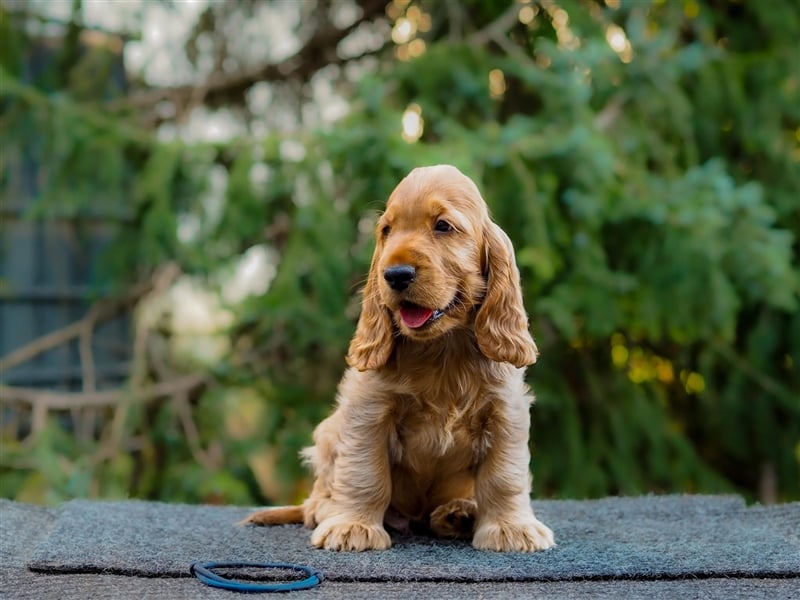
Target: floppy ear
x=501 y=325
x=374 y=338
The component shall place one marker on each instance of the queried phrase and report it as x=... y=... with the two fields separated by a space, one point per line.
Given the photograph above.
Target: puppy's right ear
x=374 y=338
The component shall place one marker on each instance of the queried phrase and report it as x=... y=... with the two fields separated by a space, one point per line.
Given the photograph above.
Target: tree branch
x=608 y=115
x=763 y=380
x=47 y=400
x=318 y=52
x=102 y=311
x=497 y=28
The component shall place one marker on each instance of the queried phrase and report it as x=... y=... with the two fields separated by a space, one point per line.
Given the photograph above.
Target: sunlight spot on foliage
x=560 y=19
x=413 y=123
x=154 y=32
x=619 y=42
x=612 y=4
x=419 y=19
x=619 y=355
x=567 y=39
x=252 y=274
x=497 y=83
x=616 y=38
x=424 y=22
x=196 y=319
x=393 y=11
x=664 y=371
x=345 y=14
x=209 y=125
x=691 y=9
x=636 y=374
x=406 y=27
x=292 y=151
x=259 y=176
x=693 y=382
x=403 y=30
x=416 y=48
x=527 y=14
x=645 y=366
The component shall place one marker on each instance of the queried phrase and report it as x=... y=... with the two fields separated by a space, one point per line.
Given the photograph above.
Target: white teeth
x=437 y=314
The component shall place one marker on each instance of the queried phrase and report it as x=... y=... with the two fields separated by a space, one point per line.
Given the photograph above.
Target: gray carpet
x=648 y=538
x=22 y=526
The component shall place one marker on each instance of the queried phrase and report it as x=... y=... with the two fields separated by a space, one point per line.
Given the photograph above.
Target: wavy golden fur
x=432 y=417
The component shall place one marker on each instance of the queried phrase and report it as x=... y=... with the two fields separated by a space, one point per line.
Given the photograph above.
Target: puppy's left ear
x=501 y=325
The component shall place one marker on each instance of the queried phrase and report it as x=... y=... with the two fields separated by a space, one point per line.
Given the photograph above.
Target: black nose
x=399 y=276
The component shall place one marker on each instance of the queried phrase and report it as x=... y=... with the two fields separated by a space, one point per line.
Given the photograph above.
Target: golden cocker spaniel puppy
x=432 y=418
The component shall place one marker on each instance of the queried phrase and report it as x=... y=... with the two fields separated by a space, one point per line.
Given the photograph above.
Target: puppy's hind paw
x=454 y=519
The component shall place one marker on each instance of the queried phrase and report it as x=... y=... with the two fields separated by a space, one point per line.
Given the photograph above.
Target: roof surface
x=693 y=546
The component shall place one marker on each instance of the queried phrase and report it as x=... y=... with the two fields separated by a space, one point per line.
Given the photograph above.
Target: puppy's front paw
x=529 y=535
x=334 y=534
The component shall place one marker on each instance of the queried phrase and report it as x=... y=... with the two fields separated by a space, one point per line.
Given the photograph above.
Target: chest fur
x=440 y=435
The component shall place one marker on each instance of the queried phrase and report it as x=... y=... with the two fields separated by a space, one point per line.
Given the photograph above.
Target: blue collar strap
x=204 y=571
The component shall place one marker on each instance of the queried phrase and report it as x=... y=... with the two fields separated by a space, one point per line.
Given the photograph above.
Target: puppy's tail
x=278 y=515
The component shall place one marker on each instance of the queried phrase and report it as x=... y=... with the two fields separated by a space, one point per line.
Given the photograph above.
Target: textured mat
x=672 y=537
x=22 y=526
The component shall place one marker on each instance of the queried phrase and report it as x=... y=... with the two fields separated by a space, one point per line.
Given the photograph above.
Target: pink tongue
x=415 y=316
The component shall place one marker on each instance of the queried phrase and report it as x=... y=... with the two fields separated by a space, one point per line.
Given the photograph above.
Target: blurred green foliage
x=652 y=193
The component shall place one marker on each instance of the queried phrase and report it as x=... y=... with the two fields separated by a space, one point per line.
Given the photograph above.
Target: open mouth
x=415 y=316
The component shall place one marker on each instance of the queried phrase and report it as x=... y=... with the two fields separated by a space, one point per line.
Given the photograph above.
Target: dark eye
x=385 y=231
x=443 y=226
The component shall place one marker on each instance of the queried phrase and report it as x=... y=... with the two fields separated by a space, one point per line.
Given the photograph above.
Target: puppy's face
x=429 y=252
x=440 y=263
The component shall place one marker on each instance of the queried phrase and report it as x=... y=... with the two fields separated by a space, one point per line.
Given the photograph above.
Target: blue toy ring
x=204 y=572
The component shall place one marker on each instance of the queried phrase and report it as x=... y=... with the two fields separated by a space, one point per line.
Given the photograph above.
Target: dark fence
x=50 y=266
x=48 y=281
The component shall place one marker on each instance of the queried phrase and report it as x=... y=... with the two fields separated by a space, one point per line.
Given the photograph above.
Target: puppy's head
x=440 y=263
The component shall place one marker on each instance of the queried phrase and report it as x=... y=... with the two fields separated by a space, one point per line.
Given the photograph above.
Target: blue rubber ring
x=204 y=572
